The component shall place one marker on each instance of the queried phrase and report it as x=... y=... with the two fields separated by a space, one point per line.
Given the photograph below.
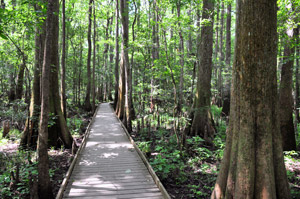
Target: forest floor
x=18 y=168
x=192 y=172
x=186 y=174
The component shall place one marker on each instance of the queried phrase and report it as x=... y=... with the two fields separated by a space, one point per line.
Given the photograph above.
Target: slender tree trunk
x=20 y=78
x=216 y=53
x=105 y=55
x=202 y=120
x=131 y=108
x=110 y=65
x=117 y=56
x=80 y=71
x=228 y=36
x=226 y=91
x=126 y=65
x=286 y=98
x=94 y=62
x=253 y=164
x=155 y=52
x=30 y=133
x=221 y=56
x=297 y=78
x=181 y=51
x=45 y=190
x=87 y=102
x=63 y=62
x=120 y=110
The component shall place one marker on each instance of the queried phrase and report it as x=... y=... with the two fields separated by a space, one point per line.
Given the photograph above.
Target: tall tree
x=228 y=35
x=253 y=164
x=181 y=51
x=30 y=133
x=155 y=49
x=94 y=61
x=117 y=56
x=120 y=110
x=87 y=102
x=50 y=58
x=297 y=78
x=59 y=133
x=125 y=62
x=202 y=120
x=286 y=102
x=226 y=91
x=63 y=62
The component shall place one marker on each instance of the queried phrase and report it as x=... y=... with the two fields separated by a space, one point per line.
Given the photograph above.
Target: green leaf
x=3 y=36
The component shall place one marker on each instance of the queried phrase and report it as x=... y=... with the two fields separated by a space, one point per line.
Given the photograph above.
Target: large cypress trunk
x=30 y=133
x=50 y=58
x=286 y=102
x=58 y=130
x=202 y=121
x=253 y=164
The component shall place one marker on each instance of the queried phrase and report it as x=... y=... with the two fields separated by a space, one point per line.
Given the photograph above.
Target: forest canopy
x=208 y=89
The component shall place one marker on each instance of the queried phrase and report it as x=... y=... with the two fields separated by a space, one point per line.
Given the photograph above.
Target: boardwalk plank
x=109 y=166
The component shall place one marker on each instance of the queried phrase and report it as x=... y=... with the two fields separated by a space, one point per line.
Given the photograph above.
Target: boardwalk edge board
x=151 y=171
x=83 y=143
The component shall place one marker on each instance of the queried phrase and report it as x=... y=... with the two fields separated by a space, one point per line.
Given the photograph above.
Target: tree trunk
x=226 y=91
x=155 y=52
x=297 y=78
x=253 y=164
x=20 y=79
x=221 y=59
x=58 y=130
x=216 y=52
x=202 y=120
x=228 y=36
x=94 y=62
x=117 y=57
x=286 y=104
x=30 y=133
x=50 y=57
x=181 y=51
x=125 y=62
x=120 y=110
x=87 y=102
x=63 y=62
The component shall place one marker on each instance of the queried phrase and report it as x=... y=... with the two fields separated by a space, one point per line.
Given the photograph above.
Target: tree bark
x=125 y=62
x=117 y=56
x=155 y=51
x=20 y=78
x=181 y=51
x=58 y=131
x=30 y=133
x=286 y=104
x=253 y=164
x=226 y=90
x=94 y=63
x=63 y=62
x=87 y=102
x=297 y=78
x=202 y=120
x=51 y=43
x=228 y=36
x=120 y=110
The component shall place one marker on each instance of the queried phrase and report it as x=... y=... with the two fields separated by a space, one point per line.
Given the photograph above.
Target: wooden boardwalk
x=109 y=166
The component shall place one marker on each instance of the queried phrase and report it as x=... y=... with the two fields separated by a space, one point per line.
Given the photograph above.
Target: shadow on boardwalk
x=109 y=166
